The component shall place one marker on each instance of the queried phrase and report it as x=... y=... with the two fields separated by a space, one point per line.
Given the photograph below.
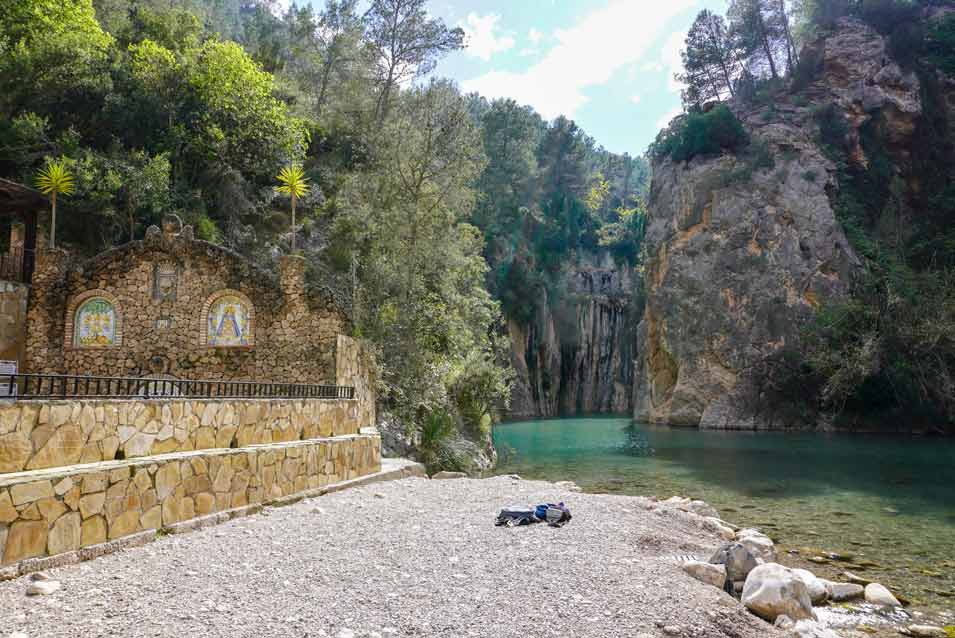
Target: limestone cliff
x=576 y=354
x=742 y=248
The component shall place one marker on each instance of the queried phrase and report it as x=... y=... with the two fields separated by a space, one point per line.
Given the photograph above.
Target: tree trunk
x=293 y=223
x=766 y=47
x=53 y=220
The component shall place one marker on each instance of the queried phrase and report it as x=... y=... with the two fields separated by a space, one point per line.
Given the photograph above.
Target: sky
x=606 y=64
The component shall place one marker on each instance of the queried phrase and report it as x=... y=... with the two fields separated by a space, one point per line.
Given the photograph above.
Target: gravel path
x=415 y=557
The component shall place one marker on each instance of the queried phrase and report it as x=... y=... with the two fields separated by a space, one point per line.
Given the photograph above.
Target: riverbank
x=415 y=557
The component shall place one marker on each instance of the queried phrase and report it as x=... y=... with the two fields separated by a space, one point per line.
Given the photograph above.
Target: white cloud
x=635 y=99
x=534 y=36
x=663 y=121
x=480 y=37
x=586 y=55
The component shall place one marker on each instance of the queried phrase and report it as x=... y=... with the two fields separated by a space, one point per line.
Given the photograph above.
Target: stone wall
x=50 y=512
x=13 y=311
x=36 y=435
x=162 y=289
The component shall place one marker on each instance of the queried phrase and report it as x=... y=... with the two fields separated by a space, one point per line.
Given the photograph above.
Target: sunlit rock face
x=576 y=355
x=740 y=252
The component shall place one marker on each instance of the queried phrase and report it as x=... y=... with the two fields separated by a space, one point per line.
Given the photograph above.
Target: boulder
x=816 y=587
x=772 y=590
x=449 y=475
x=879 y=595
x=839 y=592
x=720 y=527
x=708 y=573
x=758 y=544
x=737 y=559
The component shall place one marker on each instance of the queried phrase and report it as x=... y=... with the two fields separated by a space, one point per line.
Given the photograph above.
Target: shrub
x=940 y=44
x=700 y=134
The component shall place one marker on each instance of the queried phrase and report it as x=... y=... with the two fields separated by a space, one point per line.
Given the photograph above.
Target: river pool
x=884 y=505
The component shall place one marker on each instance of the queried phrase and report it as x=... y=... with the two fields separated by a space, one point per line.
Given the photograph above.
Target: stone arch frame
x=73 y=308
x=204 y=317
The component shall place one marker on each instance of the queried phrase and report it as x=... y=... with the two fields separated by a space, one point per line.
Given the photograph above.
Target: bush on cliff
x=698 y=133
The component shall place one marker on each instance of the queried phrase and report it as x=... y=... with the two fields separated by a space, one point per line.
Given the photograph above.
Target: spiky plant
x=292 y=182
x=55 y=179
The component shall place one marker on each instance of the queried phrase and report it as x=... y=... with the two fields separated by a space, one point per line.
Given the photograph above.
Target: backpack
x=516 y=515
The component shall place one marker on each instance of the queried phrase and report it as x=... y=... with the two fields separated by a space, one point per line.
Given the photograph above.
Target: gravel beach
x=415 y=557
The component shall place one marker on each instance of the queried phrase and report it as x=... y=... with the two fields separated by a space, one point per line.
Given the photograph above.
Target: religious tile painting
x=95 y=324
x=229 y=323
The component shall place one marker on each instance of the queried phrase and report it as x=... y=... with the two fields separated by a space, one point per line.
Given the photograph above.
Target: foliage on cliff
x=887 y=352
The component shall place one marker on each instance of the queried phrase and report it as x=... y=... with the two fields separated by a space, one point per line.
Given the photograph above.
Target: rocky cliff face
x=576 y=355
x=742 y=250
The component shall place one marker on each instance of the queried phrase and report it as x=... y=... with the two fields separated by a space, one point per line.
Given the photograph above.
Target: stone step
x=59 y=510
x=38 y=435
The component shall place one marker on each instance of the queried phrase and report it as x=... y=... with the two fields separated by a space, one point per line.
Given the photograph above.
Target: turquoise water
x=884 y=504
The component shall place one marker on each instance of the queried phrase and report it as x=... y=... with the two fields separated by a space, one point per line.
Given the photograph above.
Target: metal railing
x=65 y=386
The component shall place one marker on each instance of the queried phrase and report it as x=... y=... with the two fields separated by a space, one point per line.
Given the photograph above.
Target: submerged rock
x=879 y=595
x=772 y=590
x=708 y=573
x=926 y=631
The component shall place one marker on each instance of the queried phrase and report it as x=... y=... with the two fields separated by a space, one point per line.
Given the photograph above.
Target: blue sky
x=607 y=64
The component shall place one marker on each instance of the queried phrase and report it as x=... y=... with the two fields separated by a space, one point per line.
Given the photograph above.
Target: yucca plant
x=292 y=182
x=55 y=179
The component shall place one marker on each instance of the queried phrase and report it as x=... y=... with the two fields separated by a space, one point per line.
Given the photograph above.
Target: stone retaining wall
x=53 y=511
x=36 y=435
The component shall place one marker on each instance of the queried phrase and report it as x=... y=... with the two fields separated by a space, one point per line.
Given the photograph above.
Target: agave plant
x=292 y=182
x=55 y=179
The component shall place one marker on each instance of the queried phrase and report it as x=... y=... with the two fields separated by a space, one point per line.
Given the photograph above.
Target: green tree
x=55 y=179
x=292 y=182
x=407 y=43
x=710 y=61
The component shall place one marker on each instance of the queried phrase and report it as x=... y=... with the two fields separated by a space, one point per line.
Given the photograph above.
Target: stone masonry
x=56 y=511
x=37 y=435
x=161 y=288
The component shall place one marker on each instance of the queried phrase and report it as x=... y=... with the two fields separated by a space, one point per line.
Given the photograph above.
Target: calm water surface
x=886 y=504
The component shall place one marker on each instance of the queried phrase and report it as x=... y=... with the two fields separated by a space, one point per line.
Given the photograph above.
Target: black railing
x=64 y=386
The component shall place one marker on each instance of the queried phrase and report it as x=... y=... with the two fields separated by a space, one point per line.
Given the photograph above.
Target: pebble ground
x=415 y=557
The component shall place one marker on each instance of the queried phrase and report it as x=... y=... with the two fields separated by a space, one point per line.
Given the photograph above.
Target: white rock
x=879 y=595
x=839 y=592
x=818 y=592
x=43 y=587
x=718 y=526
x=759 y=545
x=784 y=622
x=771 y=590
x=812 y=629
x=926 y=631
x=708 y=573
x=18 y=634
